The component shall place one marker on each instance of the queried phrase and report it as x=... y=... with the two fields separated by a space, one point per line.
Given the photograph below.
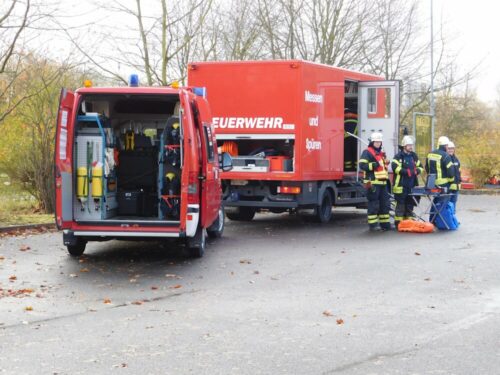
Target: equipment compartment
x=126 y=148
x=259 y=155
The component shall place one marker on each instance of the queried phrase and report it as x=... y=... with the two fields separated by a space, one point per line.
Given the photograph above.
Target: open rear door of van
x=378 y=110
x=63 y=160
x=210 y=198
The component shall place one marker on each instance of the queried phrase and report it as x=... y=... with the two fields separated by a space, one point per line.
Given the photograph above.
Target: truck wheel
x=324 y=210
x=77 y=249
x=217 y=228
x=196 y=244
x=242 y=214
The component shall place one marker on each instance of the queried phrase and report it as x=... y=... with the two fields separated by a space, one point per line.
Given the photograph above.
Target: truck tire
x=324 y=210
x=217 y=228
x=77 y=249
x=196 y=245
x=242 y=214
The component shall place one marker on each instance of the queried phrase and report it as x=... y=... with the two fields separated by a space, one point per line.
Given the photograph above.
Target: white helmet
x=443 y=141
x=376 y=137
x=451 y=144
x=407 y=140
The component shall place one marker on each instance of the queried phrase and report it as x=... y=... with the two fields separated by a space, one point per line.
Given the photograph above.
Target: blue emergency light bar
x=133 y=80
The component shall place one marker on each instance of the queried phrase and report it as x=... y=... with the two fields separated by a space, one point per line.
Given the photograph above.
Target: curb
x=14 y=228
x=480 y=192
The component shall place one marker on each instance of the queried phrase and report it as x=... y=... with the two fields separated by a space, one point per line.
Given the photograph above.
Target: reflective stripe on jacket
x=405 y=174
x=372 y=163
x=456 y=180
x=439 y=163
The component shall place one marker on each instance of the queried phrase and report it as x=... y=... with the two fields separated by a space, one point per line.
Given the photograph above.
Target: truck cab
x=137 y=163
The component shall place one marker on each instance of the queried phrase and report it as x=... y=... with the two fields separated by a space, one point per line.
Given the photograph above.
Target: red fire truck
x=137 y=163
x=285 y=122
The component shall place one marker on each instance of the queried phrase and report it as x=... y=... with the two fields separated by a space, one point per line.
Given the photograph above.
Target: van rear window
x=141 y=106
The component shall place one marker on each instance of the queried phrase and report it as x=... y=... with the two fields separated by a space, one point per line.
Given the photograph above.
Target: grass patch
x=17 y=207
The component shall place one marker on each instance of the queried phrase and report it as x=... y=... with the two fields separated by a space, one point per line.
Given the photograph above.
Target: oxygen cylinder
x=97 y=190
x=81 y=182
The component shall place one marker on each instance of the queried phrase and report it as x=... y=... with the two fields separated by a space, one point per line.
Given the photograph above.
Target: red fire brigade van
x=295 y=130
x=137 y=163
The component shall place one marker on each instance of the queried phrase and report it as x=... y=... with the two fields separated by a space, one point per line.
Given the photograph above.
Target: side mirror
x=226 y=162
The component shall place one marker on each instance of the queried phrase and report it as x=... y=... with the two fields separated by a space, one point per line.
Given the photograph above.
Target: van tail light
x=193 y=195
x=288 y=189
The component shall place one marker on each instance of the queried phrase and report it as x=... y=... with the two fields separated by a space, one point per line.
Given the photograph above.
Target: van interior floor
x=131 y=220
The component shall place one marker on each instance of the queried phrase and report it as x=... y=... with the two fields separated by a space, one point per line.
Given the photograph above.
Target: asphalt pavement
x=278 y=295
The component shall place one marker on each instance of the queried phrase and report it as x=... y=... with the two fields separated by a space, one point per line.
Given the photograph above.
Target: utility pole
x=433 y=109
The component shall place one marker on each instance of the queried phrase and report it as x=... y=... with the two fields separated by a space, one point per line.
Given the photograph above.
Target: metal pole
x=433 y=109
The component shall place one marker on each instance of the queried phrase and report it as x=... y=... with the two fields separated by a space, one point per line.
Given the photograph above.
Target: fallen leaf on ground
x=137 y=303
x=340 y=321
x=28 y=308
x=84 y=270
x=24 y=248
x=15 y=293
x=13 y=277
x=176 y=286
x=107 y=301
x=327 y=313
x=2 y=258
x=245 y=261
x=417 y=253
x=154 y=288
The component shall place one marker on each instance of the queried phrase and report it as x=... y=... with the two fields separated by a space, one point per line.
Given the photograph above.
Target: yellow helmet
x=170 y=176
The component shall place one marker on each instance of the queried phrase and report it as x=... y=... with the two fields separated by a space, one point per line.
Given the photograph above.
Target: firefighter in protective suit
x=375 y=177
x=456 y=180
x=440 y=163
x=406 y=168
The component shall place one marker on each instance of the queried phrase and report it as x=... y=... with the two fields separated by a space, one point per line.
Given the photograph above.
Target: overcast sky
x=476 y=26
x=472 y=27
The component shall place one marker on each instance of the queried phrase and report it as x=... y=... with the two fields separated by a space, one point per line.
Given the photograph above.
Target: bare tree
x=21 y=22
x=337 y=28
x=240 y=36
x=12 y=25
x=156 y=38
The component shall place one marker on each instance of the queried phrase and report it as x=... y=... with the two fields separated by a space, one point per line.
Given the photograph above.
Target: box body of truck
x=285 y=124
x=136 y=163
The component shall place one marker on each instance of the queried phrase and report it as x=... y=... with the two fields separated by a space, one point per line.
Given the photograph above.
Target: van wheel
x=217 y=228
x=242 y=214
x=196 y=244
x=324 y=210
x=77 y=249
